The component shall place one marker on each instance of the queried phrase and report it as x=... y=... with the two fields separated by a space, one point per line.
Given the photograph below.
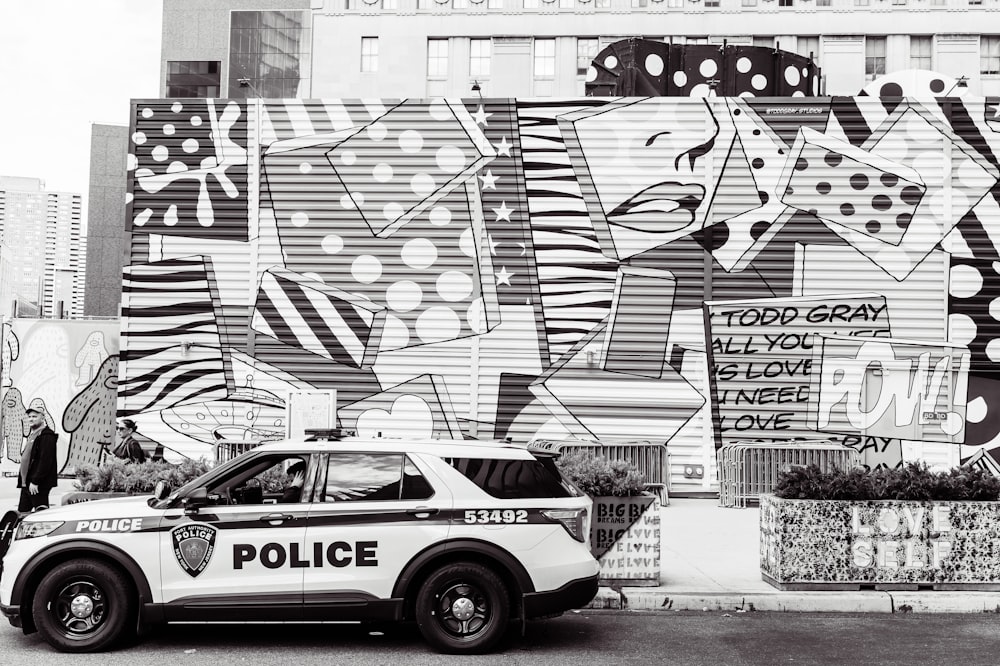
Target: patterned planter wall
x=625 y=539
x=889 y=544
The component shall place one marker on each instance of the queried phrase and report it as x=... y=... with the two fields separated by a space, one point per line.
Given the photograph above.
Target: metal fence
x=649 y=458
x=749 y=469
x=227 y=449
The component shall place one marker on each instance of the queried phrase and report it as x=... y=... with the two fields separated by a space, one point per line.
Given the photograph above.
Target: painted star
x=503 y=277
x=996 y=114
x=523 y=249
x=503 y=148
x=481 y=116
x=493 y=244
x=503 y=213
x=489 y=180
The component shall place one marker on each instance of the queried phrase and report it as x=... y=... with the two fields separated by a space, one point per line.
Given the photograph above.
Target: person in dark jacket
x=38 y=473
x=129 y=448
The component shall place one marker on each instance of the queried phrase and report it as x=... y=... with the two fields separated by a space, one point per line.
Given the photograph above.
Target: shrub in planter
x=625 y=525
x=118 y=476
x=915 y=482
x=891 y=528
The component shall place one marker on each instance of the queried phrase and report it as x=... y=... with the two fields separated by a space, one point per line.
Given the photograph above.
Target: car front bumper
x=13 y=614
x=574 y=594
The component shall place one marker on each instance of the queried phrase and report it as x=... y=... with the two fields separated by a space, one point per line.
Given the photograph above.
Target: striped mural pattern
x=170 y=348
x=321 y=319
x=576 y=280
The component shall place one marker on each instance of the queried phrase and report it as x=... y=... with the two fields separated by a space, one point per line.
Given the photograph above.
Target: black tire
x=83 y=606
x=463 y=608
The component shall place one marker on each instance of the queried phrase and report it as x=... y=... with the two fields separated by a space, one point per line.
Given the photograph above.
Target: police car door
x=373 y=513
x=239 y=555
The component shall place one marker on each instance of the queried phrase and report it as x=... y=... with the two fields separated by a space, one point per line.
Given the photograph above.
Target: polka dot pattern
x=853 y=194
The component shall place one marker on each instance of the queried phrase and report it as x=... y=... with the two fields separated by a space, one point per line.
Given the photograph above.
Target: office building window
x=806 y=45
x=763 y=40
x=369 y=54
x=545 y=58
x=989 y=54
x=640 y=3
x=269 y=51
x=437 y=57
x=785 y=3
x=920 y=51
x=874 y=57
x=749 y=3
x=586 y=51
x=193 y=78
x=975 y=2
x=531 y=4
x=862 y=3
x=567 y=4
x=459 y=4
x=389 y=4
x=899 y=2
x=602 y=4
x=494 y=4
x=711 y=3
x=479 y=57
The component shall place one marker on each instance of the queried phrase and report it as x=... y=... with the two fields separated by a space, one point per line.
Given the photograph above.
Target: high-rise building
x=541 y=48
x=40 y=232
x=106 y=228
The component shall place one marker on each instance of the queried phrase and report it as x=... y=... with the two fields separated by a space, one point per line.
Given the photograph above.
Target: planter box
x=625 y=539
x=884 y=544
x=80 y=496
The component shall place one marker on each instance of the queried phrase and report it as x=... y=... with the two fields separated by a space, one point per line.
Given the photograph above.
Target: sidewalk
x=710 y=561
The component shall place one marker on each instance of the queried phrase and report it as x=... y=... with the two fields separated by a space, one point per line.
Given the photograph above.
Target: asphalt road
x=590 y=637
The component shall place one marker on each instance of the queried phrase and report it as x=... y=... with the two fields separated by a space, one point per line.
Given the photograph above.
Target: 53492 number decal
x=499 y=516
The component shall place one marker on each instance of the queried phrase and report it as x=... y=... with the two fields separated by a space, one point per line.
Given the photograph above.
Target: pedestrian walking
x=38 y=473
x=129 y=448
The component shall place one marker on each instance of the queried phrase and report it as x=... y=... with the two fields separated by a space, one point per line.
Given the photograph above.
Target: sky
x=64 y=65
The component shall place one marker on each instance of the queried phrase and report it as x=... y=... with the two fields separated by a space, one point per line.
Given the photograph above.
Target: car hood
x=119 y=507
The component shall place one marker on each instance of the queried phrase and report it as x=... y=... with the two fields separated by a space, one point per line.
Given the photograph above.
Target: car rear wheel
x=83 y=606
x=463 y=608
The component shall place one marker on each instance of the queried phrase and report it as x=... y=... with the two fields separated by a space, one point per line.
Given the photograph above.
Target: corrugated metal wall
x=654 y=269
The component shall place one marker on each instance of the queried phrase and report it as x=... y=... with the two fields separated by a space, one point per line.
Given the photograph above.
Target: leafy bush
x=599 y=477
x=914 y=482
x=118 y=476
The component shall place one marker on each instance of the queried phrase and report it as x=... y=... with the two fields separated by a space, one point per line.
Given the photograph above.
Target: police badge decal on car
x=193 y=546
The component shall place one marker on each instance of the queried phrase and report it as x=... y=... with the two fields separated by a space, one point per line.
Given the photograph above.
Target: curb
x=646 y=599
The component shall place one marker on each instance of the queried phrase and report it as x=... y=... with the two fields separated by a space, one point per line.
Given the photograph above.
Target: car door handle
x=276 y=518
x=422 y=512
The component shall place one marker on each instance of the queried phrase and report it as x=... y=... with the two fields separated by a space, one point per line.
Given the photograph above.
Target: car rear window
x=515 y=479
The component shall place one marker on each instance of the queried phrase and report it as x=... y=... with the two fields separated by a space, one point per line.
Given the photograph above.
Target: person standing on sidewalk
x=38 y=471
x=129 y=448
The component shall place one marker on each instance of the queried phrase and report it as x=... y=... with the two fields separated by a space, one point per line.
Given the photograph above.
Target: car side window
x=266 y=480
x=353 y=477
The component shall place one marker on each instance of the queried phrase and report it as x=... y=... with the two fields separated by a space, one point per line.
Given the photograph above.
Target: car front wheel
x=463 y=608
x=83 y=606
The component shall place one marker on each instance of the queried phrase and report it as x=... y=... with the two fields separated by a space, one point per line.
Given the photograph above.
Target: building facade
x=537 y=48
x=41 y=231
x=107 y=232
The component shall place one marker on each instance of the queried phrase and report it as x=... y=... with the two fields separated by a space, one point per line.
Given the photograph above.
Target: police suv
x=461 y=537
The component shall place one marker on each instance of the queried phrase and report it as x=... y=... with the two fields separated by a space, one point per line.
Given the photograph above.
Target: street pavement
x=680 y=638
x=710 y=561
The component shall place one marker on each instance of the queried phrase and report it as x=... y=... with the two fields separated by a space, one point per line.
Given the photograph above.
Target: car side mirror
x=161 y=490
x=196 y=499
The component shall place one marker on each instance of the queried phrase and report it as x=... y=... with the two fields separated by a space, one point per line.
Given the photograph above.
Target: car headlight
x=29 y=529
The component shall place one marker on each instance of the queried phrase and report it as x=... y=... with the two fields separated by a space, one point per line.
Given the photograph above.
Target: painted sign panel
x=69 y=370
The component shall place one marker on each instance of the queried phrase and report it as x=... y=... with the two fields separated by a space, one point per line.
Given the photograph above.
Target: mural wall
x=687 y=271
x=69 y=370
